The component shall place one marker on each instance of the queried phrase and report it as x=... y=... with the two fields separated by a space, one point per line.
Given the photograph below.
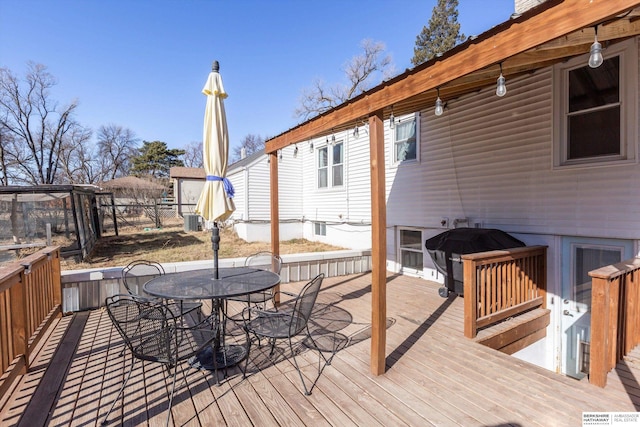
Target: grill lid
x=471 y=240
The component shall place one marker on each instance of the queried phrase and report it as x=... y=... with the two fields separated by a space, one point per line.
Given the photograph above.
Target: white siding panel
x=290 y=185
x=239 y=182
x=258 y=191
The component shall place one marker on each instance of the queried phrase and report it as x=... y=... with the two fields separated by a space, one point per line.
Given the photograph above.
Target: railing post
x=56 y=276
x=600 y=316
x=20 y=320
x=470 y=298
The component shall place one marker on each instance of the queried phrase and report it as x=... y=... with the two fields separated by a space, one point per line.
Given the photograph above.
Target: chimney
x=243 y=153
x=522 y=6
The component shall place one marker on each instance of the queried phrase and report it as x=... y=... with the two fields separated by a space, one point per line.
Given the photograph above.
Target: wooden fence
x=615 y=316
x=30 y=298
x=501 y=284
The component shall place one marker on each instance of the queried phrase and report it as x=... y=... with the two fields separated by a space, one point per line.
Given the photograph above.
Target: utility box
x=191 y=223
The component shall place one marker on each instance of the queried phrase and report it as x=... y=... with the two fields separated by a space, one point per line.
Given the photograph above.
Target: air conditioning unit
x=191 y=223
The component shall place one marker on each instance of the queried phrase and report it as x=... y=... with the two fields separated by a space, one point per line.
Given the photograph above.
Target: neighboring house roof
x=131 y=182
x=246 y=161
x=188 y=173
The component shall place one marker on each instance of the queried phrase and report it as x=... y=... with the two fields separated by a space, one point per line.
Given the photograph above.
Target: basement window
x=320 y=228
x=411 y=255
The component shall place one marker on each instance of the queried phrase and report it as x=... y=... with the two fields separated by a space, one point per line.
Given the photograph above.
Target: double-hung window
x=331 y=165
x=405 y=139
x=595 y=107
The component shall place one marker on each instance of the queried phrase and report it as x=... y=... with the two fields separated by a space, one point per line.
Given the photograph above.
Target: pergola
x=543 y=36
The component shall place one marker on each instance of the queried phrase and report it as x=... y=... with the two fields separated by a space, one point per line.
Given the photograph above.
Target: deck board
x=434 y=375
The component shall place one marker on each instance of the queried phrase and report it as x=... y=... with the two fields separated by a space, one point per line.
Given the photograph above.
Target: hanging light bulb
x=310 y=145
x=439 y=105
x=501 y=87
x=333 y=140
x=595 y=58
x=280 y=156
x=295 y=151
x=356 y=132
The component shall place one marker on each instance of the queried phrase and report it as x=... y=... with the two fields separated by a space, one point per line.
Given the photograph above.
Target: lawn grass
x=173 y=244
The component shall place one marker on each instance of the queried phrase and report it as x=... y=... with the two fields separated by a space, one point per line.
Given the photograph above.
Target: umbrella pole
x=215 y=243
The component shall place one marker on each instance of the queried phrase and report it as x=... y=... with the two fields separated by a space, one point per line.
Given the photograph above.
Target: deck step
x=517 y=332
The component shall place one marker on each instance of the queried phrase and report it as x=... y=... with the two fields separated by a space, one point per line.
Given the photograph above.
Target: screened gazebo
x=65 y=215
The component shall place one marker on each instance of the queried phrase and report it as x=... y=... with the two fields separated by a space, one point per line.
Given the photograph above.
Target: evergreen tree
x=442 y=34
x=155 y=160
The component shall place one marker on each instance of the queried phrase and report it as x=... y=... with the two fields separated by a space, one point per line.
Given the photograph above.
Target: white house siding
x=253 y=207
x=238 y=179
x=489 y=159
x=346 y=210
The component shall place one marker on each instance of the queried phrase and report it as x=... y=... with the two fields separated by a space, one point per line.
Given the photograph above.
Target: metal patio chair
x=288 y=323
x=265 y=261
x=139 y=272
x=153 y=334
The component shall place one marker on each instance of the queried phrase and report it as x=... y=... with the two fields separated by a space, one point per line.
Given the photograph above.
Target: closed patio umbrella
x=216 y=200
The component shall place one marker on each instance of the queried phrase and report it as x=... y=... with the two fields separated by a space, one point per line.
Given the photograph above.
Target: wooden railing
x=502 y=284
x=615 y=316
x=30 y=298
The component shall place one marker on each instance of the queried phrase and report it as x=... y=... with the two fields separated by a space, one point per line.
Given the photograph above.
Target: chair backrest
x=265 y=260
x=147 y=328
x=304 y=305
x=139 y=272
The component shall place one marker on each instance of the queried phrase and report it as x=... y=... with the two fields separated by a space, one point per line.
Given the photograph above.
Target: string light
x=501 y=87
x=595 y=57
x=439 y=104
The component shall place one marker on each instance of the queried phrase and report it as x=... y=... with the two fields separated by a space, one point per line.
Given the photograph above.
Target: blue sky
x=142 y=64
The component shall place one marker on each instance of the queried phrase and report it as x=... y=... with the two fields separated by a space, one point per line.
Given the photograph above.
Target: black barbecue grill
x=446 y=248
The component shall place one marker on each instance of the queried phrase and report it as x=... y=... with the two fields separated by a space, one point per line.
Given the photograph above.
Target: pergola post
x=378 y=245
x=275 y=213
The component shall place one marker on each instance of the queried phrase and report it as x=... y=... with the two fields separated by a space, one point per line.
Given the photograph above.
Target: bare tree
x=193 y=155
x=361 y=73
x=78 y=162
x=38 y=128
x=116 y=147
x=251 y=144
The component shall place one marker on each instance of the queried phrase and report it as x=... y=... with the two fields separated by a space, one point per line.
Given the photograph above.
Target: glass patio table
x=199 y=285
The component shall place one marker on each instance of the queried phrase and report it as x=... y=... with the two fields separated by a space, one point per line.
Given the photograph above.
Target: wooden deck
x=434 y=376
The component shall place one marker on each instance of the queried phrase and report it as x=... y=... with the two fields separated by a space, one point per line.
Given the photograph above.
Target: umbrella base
x=225 y=357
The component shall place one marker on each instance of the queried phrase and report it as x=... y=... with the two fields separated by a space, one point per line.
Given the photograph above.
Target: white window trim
x=317 y=167
x=400 y=119
x=406 y=270
x=329 y=147
x=323 y=227
x=628 y=52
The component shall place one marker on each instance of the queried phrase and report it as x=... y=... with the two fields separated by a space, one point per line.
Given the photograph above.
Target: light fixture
x=501 y=87
x=310 y=145
x=333 y=138
x=595 y=58
x=439 y=105
x=295 y=151
x=280 y=156
x=356 y=132
x=392 y=119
